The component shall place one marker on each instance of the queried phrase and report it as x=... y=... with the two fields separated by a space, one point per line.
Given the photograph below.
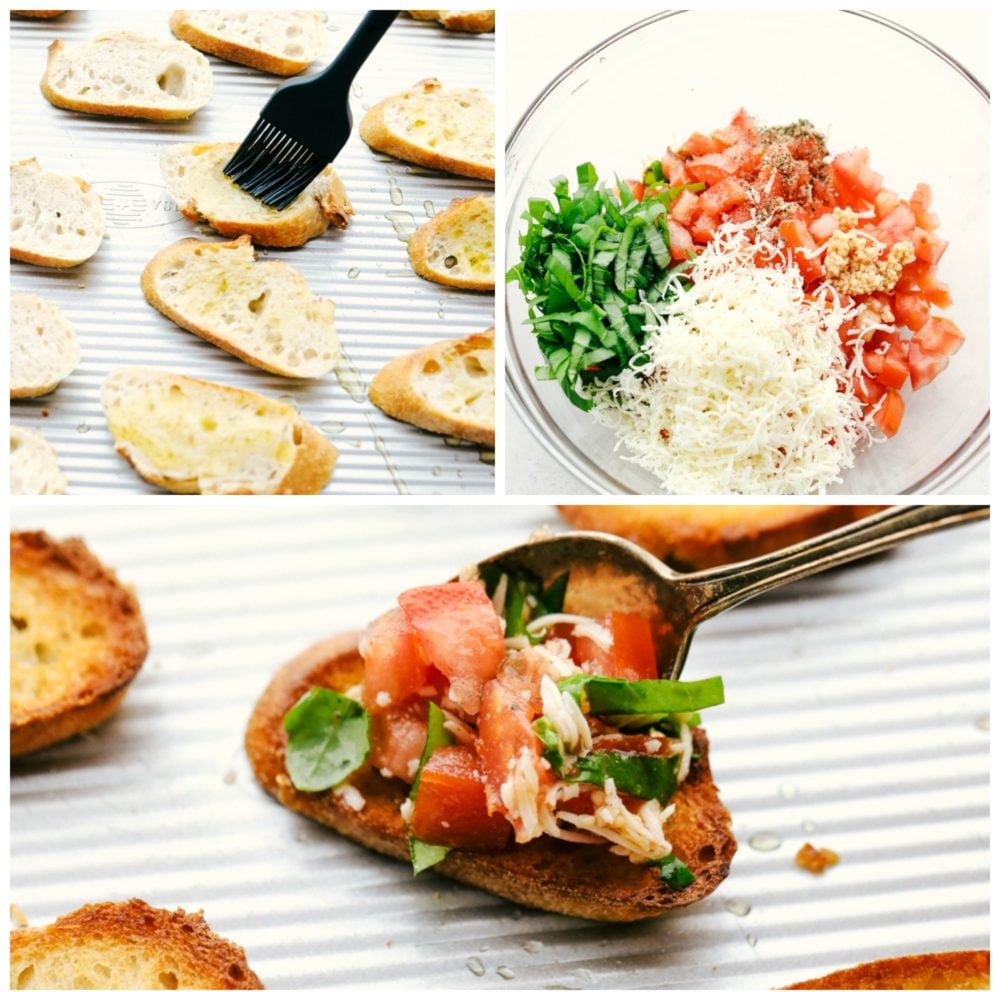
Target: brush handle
x=352 y=56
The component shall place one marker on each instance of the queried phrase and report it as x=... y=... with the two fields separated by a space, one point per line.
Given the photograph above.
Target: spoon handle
x=712 y=591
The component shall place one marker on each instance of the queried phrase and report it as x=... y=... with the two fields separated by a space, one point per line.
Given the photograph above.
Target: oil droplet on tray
x=738 y=907
x=395 y=192
x=765 y=842
x=429 y=209
x=353 y=272
x=808 y=826
x=403 y=224
x=532 y=947
x=983 y=723
x=288 y=401
x=350 y=378
x=82 y=427
x=505 y=973
x=752 y=940
x=787 y=791
x=332 y=427
x=475 y=966
x=436 y=471
x=453 y=442
x=489 y=457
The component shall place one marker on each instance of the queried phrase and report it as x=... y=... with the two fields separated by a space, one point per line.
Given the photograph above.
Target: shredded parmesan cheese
x=564 y=713
x=746 y=388
x=350 y=797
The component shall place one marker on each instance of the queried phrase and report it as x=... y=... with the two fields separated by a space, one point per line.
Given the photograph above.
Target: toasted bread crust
x=182 y=942
x=231 y=51
x=949 y=970
x=420 y=245
x=38 y=13
x=704 y=536
x=573 y=879
x=392 y=391
x=474 y=21
x=72 y=581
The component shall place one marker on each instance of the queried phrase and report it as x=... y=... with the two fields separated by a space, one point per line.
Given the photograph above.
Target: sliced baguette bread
x=708 y=535
x=578 y=880
x=950 y=970
x=448 y=387
x=127 y=946
x=449 y=130
x=260 y=311
x=43 y=346
x=456 y=247
x=55 y=220
x=128 y=75
x=284 y=42
x=193 y=175
x=458 y=20
x=38 y=13
x=77 y=640
x=34 y=465
x=190 y=436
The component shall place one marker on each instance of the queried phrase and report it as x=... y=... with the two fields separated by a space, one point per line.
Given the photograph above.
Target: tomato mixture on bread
x=510 y=720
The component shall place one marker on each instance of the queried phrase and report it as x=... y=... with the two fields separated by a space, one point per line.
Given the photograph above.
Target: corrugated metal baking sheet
x=383 y=308
x=856 y=718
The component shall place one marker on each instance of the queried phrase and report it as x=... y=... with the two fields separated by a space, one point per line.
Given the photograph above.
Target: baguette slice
x=456 y=247
x=43 y=346
x=950 y=970
x=127 y=946
x=476 y=21
x=34 y=465
x=448 y=387
x=193 y=175
x=38 y=13
x=262 y=312
x=449 y=130
x=190 y=436
x=575 y=879
x=128 y=75
x=698 y=537
x=55 y=220
x=77 y=640
x=284 y=42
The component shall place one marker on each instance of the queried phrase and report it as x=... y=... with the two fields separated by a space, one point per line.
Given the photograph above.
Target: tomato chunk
x=911 y=310
x=680 y=240
x=889 y=415
x=890 y=367
x=853 y=176
x=395 y=667
x=397 y=736
x=711 y=168
x=683 y=210
x=450 y=807
x=632 y=654
x=724 y=195
x=459 y=632
x=796 y=235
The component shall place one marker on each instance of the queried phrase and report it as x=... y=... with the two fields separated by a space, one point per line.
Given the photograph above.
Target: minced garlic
x=854 y=265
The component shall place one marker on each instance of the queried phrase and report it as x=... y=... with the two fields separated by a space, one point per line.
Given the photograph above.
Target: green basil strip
x=674 y=872
x=645 y=777
x=327 y=739
x=612 y=696
x=520 y=586
x=552 y=746
x=422 y=854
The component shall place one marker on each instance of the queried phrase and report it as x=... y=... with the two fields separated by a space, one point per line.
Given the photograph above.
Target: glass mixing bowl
x=864 y=81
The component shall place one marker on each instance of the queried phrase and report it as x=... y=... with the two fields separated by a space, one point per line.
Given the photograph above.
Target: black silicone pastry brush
x=305 y=123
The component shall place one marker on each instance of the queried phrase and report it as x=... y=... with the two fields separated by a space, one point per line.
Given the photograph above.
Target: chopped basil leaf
x=422 y=854
x=645 y=777
x=552 y=752
x=327 y=739
x=641 y=702
x=518 y=610
x=674 y=872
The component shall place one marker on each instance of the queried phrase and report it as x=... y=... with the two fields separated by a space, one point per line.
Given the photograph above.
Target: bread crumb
x=816 y=859
x=17 y=916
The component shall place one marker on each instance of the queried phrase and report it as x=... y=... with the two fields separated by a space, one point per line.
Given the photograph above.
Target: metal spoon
x=609 y=573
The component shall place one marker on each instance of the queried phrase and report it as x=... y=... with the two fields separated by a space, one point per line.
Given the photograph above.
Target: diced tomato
x=796 y=235
x=397 y=737
x=743 y=125
x=699 y=144
x=867 y=389
x=703 y=228
x=724 y=195
x=632 y=654
x=920 y=204
x=925 y=366
x=927 y=246
x=684 y=208
x=450 y=806
x=920 y=275
x=459 y=632
x=897 y=225
x=395 y=667
x=889 y=368
x=889 y=414
x=853 y=175
x=910 y=310
x=885 y=202
x=637 y=188
x=711 y=168
x=823 y=226
x=940 y=336
x=673 y=168
x=681 y=244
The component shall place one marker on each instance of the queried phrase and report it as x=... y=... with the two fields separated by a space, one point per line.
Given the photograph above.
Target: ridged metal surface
x=856 y=718
x=382 y=311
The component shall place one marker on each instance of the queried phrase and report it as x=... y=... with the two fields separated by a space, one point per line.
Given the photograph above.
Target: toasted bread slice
x=55 y=220
x=448 y=387
x=475 y=21
x=127 y=946
x=38 y=13
x=77 y=640
x=456 y=247
x=284 y=42
x=574 y=879
x=193 y=175
x=949 y=970
x=128 y=75
x=190 y=436
x=260 y=311
x=34 y=465
x=43 y=346
x=697 y=537
x=451 y=130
